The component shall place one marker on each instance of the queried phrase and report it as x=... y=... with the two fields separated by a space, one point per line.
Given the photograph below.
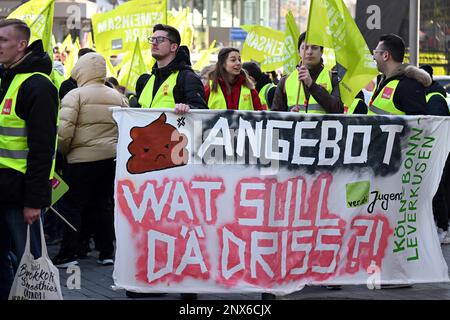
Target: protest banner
x=269 y=202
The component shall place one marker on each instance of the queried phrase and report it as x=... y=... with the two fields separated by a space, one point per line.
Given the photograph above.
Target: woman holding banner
x=230 y=87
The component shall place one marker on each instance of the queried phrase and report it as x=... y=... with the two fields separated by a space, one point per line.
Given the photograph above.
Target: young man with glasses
x=172 y=82
x=400 y=88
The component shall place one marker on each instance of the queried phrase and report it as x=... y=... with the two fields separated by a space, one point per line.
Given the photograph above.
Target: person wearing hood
x=400 y=88
x=172 y=83
x=312 y=88
x=28 y=127
x=87 y=137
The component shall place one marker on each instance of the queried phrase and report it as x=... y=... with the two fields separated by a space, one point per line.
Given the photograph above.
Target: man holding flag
x=312 y=88
x=28 y=121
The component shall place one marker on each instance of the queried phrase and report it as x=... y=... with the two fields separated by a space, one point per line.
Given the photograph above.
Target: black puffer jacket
x=437 y=105
x=189 y=87
x=409 y=95
x=37 y=104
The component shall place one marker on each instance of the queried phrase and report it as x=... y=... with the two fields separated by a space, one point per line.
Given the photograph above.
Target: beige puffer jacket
x=87 y=131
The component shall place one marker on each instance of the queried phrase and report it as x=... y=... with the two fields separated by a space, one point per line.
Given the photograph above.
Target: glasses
x=158 y=40
x=378 y=51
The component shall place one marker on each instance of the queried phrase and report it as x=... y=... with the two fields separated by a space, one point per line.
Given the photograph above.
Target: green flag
x=38 y=15
x=132 y=67
x=331 y=25
x=59 y=188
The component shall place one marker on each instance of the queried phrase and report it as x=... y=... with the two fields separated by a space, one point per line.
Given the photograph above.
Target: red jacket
x=233 y=98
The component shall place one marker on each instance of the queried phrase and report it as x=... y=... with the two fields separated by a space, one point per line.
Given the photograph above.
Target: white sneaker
x=442 y=235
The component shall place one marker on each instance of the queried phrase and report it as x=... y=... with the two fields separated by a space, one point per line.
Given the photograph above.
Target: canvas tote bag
x=36 y=279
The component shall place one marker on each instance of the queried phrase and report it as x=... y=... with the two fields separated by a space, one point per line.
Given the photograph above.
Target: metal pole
x=279 y=14
x=414 y=25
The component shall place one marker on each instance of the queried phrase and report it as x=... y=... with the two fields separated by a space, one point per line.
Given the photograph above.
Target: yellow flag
x=38 y=15
x=331 y=25
x=263 y=43
x=87 y=42
x=180 y=20
x=116 y=31
x=291 y=57
x=132 y=68
x=67 y=43
x=72 y=58
x=110 y=71
x=204 y=59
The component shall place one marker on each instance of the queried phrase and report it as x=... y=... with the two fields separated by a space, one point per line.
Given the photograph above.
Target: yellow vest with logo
x=13 y=131
x=264 y=92
x=292 y=87
x=163 y=98
x=383 y=104
x=217 y=99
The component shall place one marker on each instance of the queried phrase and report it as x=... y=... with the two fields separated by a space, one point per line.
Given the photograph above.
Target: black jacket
x=409 y=95
x=188 y=88
x=437 y=105
x=67 y=86
x=37 y=104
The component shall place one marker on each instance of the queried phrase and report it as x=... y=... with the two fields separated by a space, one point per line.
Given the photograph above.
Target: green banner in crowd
x=59 y=188
x=116 y=31
x=331 y=25
x=132 y=67
x=38 y=14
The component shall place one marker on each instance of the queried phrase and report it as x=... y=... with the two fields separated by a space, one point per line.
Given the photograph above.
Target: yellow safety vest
x=292 y=87
x=57 y=78
x=164 y=96
x=353 y=106
x=13 y=130
x=428 y=96
x=383 y=104
x=264 y=92
x=217 y=99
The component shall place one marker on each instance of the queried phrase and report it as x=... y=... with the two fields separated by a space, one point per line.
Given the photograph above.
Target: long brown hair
x=220 y=72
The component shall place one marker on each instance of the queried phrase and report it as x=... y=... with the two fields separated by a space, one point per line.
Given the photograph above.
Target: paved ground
x=96 y=282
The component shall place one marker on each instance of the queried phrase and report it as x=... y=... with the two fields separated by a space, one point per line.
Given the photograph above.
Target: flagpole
x=62 y=218
x=301 y=58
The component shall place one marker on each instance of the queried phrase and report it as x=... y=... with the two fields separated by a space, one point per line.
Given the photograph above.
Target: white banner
x=269 y=202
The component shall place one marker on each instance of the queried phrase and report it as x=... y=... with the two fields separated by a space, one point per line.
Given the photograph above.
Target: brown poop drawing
x=156 y=146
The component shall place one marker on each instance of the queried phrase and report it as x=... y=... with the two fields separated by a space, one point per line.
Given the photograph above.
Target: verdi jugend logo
x=357 y=193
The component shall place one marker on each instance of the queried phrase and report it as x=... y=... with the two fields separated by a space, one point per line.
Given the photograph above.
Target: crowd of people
x=48 y=124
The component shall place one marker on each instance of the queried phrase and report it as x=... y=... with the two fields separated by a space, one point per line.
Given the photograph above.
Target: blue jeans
x=13 y=235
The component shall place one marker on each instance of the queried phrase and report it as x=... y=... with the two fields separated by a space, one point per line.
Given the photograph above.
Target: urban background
x=221 y=20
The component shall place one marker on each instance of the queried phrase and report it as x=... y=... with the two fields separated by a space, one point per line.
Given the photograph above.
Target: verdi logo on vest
x=7 y=106
x=166 y=89
x=387 y=93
